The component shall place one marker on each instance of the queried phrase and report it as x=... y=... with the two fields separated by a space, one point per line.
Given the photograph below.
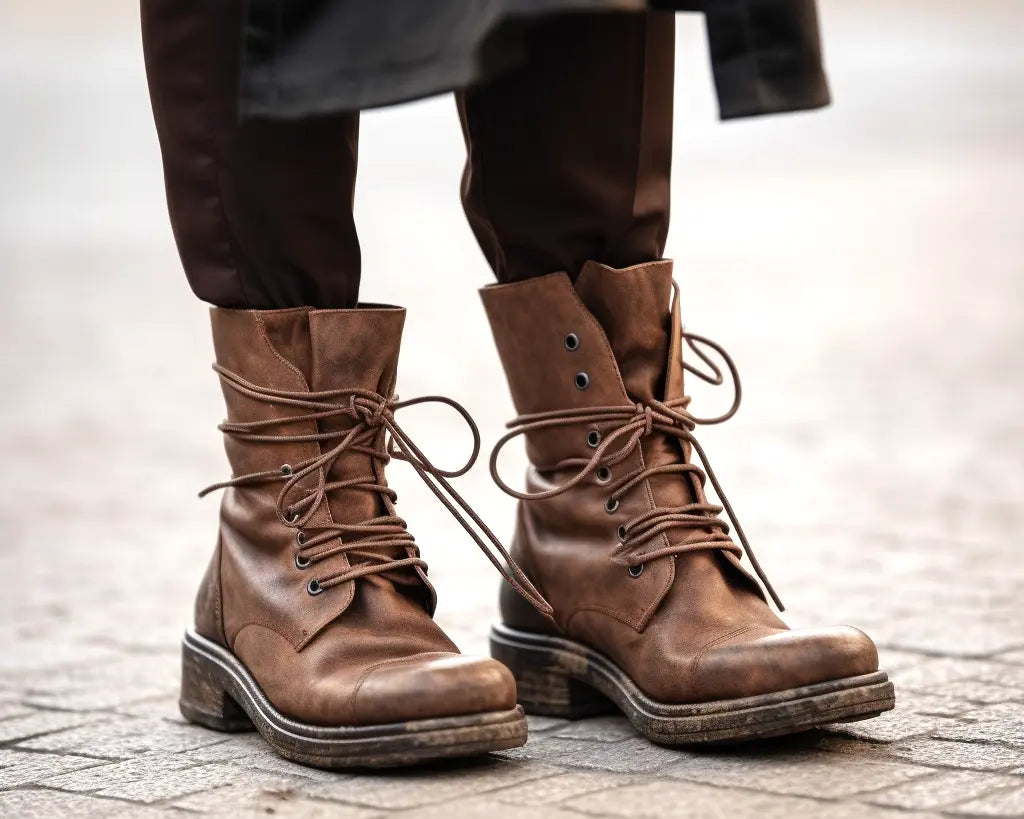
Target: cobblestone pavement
x=873 y=301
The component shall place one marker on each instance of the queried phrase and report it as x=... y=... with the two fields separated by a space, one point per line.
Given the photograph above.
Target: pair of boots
x=313 y=621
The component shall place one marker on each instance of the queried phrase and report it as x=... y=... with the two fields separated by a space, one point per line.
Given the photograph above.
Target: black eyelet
x=593 y=438
x=286 y=469
x=300 y=538
x=611 y=505
x=622 y=533
x=572 y=342
x=582 y=381
x=636 y=571
x=314 y=587
x=603 y=474
x=302 y=562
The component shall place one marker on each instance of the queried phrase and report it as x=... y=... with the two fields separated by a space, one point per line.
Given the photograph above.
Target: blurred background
x=873 y=303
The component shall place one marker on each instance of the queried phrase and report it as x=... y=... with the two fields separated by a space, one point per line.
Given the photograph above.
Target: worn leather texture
x=365 y=651
x=690 y=627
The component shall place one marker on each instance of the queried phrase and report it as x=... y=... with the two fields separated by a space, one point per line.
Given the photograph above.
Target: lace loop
x=377 y=434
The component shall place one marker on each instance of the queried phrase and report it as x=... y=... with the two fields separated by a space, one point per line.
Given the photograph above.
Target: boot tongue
x=632 y=305
x=354 y=349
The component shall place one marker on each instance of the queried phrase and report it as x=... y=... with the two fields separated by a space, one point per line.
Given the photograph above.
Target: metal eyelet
x=286 y=469
x=300 y=538
x=611 y=505
x=314 y=587
x=572 y=342
x=603 y=474
x=302 y=562
x=593 y=438
x=621 y=533
x=636 y=571
x=582 y=381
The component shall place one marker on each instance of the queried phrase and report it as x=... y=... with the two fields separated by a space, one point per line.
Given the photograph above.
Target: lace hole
x=593 y=438
x=622 y=533
x=286 y=469
x=611 y=505
x=603 y=474
x=572 y=342
x=302 y=562
x=314 y=587
x=636 y=571
x=582 y=381
x=300 y=538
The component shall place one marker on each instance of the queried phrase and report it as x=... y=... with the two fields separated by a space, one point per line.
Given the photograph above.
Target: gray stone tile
x=125 y=737
x=485 y=808
x=272 y=797
x=933 y=675
x=104 y=686
x=668 y=799
x=163 y=707
x=419 y=787
x=625 y=756
x=802 y=774
x=171 y=784
x=551 y=790
x=11 y=706
x=895 y=725
x=894 y=659
x=113 y=774
x=981 y=691
x=46 y=804
x=942 y=791
x=598 y=729
x=23 y=768
x=995 y=723
x=244 y=796
x=975 y=756
x=36 y=723
x=1005 y=803
x=935 y=705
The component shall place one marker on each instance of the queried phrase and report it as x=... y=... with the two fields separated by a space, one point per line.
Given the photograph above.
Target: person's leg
x=568 y=173
x=313 y=619
x=261 y=210
x=569 y=157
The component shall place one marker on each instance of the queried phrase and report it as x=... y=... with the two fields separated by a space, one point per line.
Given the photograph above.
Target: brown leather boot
x=653 y=609
x=313 y=621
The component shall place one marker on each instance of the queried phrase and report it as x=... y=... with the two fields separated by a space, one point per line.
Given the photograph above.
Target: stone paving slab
x=872 y=301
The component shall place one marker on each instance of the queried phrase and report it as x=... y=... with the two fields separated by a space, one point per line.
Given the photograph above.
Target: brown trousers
x=568 y=159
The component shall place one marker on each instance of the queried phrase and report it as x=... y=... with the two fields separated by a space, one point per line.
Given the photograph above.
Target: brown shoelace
x=634 y=423
x=376 y=434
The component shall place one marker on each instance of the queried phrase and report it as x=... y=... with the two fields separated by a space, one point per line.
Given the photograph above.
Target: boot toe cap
x=435 y=686
x=784 y=660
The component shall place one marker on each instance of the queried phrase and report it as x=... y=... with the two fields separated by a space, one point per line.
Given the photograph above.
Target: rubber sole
x=218 y=692
x=562 y=678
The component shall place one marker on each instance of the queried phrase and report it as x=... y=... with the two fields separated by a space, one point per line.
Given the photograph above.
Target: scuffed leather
x=367 y=650
x=208 y=613
x=692 y=627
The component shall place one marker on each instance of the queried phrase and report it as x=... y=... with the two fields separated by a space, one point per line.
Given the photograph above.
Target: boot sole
x=562 y=678
x=218 y=692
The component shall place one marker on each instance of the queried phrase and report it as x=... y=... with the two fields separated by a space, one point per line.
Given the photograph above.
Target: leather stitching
x=712 y=643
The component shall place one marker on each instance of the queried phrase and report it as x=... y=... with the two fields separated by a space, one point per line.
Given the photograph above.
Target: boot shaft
x=263 y=574
x=611 y=341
